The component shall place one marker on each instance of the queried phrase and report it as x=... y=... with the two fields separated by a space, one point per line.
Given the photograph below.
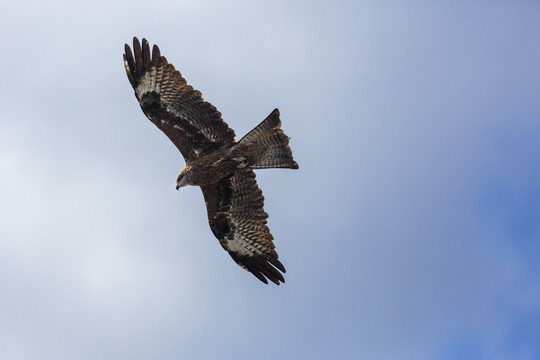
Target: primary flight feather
x=222 y=167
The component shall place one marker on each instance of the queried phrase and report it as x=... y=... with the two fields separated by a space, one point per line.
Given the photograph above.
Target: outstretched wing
x=238 y=220
x=193 y=125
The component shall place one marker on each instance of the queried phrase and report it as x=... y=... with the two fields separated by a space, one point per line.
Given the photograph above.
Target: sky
x=410 y=230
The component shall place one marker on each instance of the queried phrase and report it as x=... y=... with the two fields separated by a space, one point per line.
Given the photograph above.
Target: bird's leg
x=241 y=160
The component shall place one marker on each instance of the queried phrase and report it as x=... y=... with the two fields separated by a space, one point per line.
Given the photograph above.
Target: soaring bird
x=221 y=166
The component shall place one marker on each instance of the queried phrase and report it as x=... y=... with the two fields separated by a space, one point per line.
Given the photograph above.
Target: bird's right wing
x=237 y=218
x=193 y=125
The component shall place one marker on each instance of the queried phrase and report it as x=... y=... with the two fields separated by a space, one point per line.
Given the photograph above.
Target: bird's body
x=209 y=169
x=222 y=167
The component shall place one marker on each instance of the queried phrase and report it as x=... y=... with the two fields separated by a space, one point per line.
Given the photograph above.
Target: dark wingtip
x=264 y=269
x=270 y=272
x=278 y=265
x=156 y=54
x=129 y=64
x=146 y=55
x=137 y=52
x=259 y=276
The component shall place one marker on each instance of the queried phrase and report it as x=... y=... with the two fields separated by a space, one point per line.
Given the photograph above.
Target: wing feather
x=193 y=125
x=237 y=218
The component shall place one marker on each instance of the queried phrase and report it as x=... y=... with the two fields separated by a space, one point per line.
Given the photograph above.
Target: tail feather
x=269 y=145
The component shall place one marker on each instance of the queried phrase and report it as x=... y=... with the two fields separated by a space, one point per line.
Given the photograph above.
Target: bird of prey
x=221 y=166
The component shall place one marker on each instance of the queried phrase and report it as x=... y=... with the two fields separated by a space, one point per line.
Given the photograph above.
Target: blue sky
x=410 y=231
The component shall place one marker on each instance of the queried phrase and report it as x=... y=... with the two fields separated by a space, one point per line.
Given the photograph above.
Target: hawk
x=219 y=165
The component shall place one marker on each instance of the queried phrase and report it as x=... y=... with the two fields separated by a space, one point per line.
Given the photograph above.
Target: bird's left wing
x=238 y=220
x=193 y=125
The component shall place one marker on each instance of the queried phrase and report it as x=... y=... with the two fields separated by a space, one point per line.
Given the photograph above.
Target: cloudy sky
x=411 y=230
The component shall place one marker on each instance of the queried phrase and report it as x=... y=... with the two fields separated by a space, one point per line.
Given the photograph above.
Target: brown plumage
x=214 y=161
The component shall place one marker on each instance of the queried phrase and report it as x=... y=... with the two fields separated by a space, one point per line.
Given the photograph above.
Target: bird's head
x=181 y=180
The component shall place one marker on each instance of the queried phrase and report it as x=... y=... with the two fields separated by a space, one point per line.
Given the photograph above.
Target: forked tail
x=267 y=145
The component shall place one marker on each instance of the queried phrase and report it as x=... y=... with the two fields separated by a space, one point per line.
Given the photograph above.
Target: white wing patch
x=151 y=81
